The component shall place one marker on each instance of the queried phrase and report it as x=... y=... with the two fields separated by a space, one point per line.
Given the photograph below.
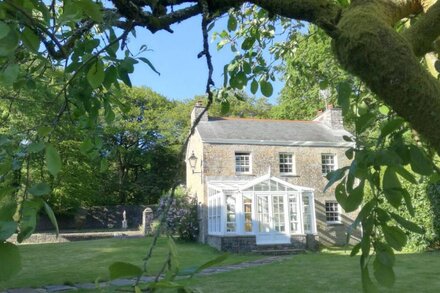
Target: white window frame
x=291 y=164
x=337 y=212
x=333 y=166
x=250 y=162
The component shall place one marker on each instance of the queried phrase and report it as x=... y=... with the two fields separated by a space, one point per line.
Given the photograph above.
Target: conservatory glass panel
x=293 y=212
x=247 y=210
x=263 y=213
x=278 y=213
x=273 y=185
x=307 y=214
x=230 y=213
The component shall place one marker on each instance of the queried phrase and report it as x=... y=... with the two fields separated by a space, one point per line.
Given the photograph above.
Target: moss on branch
x=371 y=49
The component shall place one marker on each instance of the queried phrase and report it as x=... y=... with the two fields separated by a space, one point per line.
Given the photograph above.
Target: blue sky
x=182 y=74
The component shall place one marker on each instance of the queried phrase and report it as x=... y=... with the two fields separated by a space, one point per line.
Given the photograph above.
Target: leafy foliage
x=182 y=219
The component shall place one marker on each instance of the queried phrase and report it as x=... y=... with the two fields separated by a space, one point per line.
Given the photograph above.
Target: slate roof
x=270 y=132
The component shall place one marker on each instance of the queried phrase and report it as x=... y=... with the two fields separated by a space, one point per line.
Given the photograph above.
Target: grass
x=85 y=261
x=330 y=271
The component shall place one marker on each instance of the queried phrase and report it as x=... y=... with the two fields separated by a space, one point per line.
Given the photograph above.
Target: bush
x=182 y=217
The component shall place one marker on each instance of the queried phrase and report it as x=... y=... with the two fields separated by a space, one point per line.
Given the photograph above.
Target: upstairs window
x=286 y=164
x=242 y=162
x=328 y=163
x=332 y=212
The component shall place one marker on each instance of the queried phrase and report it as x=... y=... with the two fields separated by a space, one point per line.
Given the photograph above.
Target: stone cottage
x=260 y=181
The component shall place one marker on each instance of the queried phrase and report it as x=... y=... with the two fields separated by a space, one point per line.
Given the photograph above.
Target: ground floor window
x=332 y=212
x=293 y=213
x=307 y=213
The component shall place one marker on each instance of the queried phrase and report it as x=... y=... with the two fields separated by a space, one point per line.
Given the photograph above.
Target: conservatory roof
x=264 y=181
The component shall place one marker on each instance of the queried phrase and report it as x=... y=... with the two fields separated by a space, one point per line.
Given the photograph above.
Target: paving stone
x=23 y=290
x=146 y=279
x=122 y=282
x=59 y=288
x=86 y=286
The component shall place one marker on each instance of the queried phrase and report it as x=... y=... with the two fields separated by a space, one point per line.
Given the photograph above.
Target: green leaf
x=383 y=274
x=394 y=196
x=354 y=198
x=384 y=110
x=4 y=29
x=254 y=87
x=405 y=174
x=367 y=285
x=29 y=218
x=86 y=146
x=10 y=74
x=390 y=180
x=96 y=75
x=391 y=125
x=266 y=88
x=30 y=39
x=349 y=153
x=225 y=106
x=53 y=160
x=52 y=217
x=9 y=43
x=44 y=130
x=355 y=250
x=364 y=122
x=334 y=176
x=148 y=62
x=91 y=9
x=248 y=43
x=7 y=228
x=341 y=194
x=232 y=23
x=39 y=189
x=394 y=236
x=419 y=161
x=384 y=254
x=11 y=261
x=408 y=202
x=124 y=269
x=413 y=227
x=36 y=147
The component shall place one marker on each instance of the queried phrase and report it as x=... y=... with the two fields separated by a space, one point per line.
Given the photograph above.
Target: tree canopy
x=83 y=43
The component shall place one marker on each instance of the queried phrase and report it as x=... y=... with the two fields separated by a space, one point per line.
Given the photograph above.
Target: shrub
x=182 y=217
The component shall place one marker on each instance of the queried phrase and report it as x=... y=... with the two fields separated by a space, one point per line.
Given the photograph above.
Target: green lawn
x=84 y=261
x=328 y=271
x=325 y=272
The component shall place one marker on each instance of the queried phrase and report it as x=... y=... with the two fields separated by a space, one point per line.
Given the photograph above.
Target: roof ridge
x=261 y=119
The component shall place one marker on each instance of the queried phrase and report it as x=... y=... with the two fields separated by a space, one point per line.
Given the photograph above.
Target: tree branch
x=425 y=31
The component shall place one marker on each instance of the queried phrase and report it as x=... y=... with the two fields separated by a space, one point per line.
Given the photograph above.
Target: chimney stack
x=331 y=117
x=197 y=111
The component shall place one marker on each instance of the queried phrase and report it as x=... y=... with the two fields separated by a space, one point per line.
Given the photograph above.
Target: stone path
x=129 y=282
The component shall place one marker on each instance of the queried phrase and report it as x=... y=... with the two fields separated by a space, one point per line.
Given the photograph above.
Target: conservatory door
x=271 y=219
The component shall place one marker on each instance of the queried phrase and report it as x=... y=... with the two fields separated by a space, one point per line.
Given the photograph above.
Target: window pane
x=327 y=163
x=286 y=163
x=230 y=213
x=242 y=162
x=332 y=212
x=247 y=208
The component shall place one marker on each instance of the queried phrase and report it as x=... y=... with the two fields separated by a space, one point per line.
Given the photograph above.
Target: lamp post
x=193 y=162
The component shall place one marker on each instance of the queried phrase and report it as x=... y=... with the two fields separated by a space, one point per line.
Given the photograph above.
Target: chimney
x=197 y=111
x=331 y=117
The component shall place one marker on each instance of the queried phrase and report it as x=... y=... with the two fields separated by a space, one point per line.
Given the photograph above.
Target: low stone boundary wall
x=38 y=238
x=101 y=217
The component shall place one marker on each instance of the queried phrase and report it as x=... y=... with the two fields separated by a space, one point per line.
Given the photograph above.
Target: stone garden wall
x=97 y=218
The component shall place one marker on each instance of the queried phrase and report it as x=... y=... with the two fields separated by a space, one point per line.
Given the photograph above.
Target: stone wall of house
x=220 y=159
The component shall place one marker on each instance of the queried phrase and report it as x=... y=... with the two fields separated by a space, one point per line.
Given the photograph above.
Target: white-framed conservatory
x=267 y=207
